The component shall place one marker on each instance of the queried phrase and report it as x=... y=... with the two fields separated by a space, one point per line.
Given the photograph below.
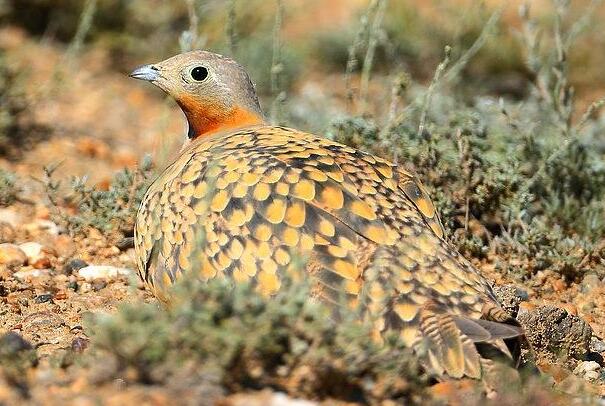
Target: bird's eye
x=199 y=73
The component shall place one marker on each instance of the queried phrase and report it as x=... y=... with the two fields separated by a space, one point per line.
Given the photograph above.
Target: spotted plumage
x=253 y=202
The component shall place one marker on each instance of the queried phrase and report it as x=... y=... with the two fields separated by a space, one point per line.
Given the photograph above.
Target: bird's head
x=214 y=91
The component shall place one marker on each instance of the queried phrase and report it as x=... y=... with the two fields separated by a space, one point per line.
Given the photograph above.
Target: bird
x=244 y=200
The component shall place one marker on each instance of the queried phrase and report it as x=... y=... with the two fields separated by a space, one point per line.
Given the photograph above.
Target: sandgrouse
x=245 y=199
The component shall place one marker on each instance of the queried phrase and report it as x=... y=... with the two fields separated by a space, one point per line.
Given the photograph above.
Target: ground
x=46 y=298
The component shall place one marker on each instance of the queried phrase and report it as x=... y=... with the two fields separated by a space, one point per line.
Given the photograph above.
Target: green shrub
x=248 y=342
x=106 y=210
x=518 y=177
x=8 y=188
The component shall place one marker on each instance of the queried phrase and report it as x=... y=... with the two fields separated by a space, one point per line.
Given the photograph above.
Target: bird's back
x=253 y=204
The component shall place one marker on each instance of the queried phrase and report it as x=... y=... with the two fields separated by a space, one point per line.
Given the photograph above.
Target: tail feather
x=440 y=305
x=448 y=348
x=479 y=330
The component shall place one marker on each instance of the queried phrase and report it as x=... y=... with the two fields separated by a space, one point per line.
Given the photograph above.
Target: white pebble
x=280 y=399
x=93 y=272
x=43 y=225
x=29 y=274
x=11 y=217
x=33 y=251
x=589 y=370
x=587 y=366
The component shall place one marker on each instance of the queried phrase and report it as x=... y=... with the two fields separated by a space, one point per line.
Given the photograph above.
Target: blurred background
x=313 y=62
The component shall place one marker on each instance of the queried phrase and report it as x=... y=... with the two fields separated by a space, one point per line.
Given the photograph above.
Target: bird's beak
x=150 y=73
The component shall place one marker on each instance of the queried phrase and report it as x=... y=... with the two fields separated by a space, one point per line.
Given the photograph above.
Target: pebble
x=92 y=272
x=7 y=232
x=590 y=282
x=74 y=265
x=43 y=298
x=525 y=307
x=79 y=344
x=37 y=255
x=510 y=297
x=597 y=345
x=559 y=285
x=98 y=284
x=570 y=308
x=64 y=246
x=13 y=343
x=29 y=274
x=125 y=243
x=11 y=254
x=11 y=217
x=42 y=225
x=32 y=250
x=61 y=296
x=589 y=370
x=266 y=398
x=551 y=330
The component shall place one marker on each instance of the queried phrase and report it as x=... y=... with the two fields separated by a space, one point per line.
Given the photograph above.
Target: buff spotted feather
x=244 y=200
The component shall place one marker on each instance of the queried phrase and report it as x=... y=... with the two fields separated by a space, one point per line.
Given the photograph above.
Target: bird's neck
x=210 y=119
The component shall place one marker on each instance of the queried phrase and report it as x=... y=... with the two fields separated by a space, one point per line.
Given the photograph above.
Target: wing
x=248 y=207
x=254 y=205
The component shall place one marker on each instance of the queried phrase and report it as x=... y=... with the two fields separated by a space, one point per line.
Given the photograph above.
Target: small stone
x=79 y=344
x=61 y=296
x=42 y=212
x=37 y=255
x=589 y=370
x=93 y=272
x=74 y=265
x=32 y=249
x=11 y=254
x=525 y=307
x=7 y=232
x=11 y=217
x=510 y=297
x=84 y=287
x=552 y=331
x=43 y=298
x=590 y=282
x=98 y=284
x=65 y=246
x=41 y=263
x=41 y=225
x=125 y=243
x=592 y=376
x=12 y=343
x=30 y=274
x=266 y=397
x=597 y=345
x=570 y=308
x=15 y=350
x=109 y=252
x=559 y=285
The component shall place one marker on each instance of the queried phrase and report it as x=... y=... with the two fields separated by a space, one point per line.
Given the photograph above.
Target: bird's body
x=252 y=202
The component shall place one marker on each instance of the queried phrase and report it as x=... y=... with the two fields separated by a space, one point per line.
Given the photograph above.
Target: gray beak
x=149 y=73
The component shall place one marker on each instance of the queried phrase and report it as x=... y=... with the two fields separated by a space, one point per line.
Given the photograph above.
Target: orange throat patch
x=209 y=119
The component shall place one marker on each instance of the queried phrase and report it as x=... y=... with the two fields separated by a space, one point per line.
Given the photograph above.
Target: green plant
x=523 y=179
x=8 y=188
x=18 y=130
x=249 y=341
x=105 y=210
